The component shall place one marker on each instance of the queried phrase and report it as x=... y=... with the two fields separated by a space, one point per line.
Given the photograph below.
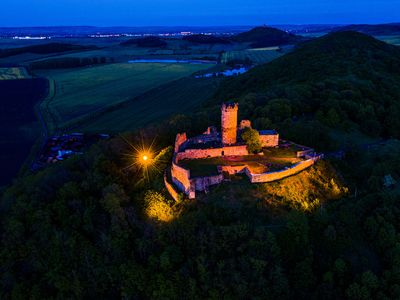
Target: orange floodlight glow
x=145 y=157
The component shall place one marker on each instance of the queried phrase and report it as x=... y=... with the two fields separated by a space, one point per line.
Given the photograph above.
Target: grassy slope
x=175 y=97
x=305 y=191
x=258 y=56
x=84 y=91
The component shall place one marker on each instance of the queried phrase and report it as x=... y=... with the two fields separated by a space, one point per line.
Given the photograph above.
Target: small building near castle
x=210 y=158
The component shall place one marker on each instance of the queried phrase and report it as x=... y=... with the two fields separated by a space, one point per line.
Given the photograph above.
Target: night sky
x=195 y=12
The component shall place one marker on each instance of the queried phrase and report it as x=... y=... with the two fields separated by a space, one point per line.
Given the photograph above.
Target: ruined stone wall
x=214 y=152
x=245 y=124
x=273 y=176
x=269 y=140
x=305 y=153
x=202 y=184
x=231 y=170
x=229 y=122
x=181 y=178
x=171 y=190
x=211 y=130
x=179 y=140
x=204 y=139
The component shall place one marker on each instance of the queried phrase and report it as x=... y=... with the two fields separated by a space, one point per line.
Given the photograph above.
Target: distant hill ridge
x=148 y=41
x=44 y=49
x=378 y=29
x=206 y=39
x=265 y=36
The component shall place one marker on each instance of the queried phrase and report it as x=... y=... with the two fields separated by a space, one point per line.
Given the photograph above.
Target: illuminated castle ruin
x=228 y=145
x=229 y=123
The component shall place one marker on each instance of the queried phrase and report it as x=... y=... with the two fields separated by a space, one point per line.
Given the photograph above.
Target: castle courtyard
x=256 y=163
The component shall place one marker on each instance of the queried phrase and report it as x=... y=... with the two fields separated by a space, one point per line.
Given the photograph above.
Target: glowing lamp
x=144 y=158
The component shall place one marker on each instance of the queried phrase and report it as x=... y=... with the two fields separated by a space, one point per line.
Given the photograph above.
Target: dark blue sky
x=195 y=12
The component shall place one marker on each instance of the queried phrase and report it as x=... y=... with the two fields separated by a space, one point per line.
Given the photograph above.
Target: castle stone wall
x=203 y=183
x=305 y=153
x=171 y=190
x=229 y=122
x=245 y=124
x=179 y=140
x=269 y=140
x=181 y=178
x=213 y=152
x=231 y=170
x=273 y=176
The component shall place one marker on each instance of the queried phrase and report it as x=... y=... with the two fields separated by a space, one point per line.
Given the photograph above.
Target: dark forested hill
x=344 y=80
x=266 y=36
x=378 y=29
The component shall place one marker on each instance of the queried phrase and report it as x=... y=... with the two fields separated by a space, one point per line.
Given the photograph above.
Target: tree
x=252 y=139
x=332 y=118
x=357 y=292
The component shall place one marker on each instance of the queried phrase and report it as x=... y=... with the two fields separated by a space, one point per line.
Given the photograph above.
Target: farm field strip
x=174 y=97
x=85 y=91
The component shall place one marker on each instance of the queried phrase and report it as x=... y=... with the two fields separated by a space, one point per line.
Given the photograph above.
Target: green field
x=257 y=56
x=391 y=39
x=175 y=97
x=110 y=48
x=76 y=93
x=13 y=73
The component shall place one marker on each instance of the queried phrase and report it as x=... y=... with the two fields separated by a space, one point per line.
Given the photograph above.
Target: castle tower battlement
x=229 y=121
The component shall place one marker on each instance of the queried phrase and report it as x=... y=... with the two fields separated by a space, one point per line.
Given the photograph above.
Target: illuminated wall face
x=229 y=122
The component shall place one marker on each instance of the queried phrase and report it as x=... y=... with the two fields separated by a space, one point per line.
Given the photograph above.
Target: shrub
x=252 y=139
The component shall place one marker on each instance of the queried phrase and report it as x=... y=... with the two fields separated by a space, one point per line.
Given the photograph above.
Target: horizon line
x=197 y=26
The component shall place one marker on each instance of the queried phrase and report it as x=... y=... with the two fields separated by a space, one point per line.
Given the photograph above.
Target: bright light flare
x=141 y=157
x=144 y=159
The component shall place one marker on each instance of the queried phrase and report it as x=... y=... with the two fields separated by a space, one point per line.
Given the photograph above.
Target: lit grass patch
x=305 y=191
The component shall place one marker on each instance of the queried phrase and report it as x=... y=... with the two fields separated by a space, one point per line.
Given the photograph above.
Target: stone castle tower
x=229 y=120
